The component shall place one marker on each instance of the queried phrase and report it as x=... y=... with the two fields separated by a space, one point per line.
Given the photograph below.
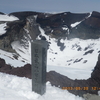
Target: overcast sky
x=75 y=6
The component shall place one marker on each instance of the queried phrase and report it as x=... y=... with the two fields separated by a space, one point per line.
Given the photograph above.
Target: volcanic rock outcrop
x=57 y=26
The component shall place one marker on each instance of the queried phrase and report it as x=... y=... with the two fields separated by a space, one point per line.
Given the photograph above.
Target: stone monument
x=39 y=63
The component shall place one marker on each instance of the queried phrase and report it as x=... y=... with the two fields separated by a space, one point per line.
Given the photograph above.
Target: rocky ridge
x=57 y=26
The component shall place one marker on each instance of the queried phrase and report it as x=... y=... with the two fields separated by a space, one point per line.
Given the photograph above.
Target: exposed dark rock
x=86 y=48
x=79 y=49
x=55 y=52
x=53 y=24
x=88 y=28
x=4 y=67
x=78 y=60
x=90 y=51
x=32 y=26
x=65 y=18
x=2 y=62
x=25 y=14
x=56 y=22
x=95 y=74
x=85 y=61
x=62 y=47
x=2 y=13
x=99 y=51
x=77 y=46
x=42 y=37
x=24 y=71
x=70 y=60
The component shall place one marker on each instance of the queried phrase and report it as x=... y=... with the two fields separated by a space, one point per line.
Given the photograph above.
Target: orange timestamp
x=95 y=88
x=80 y=88
x=75 y=88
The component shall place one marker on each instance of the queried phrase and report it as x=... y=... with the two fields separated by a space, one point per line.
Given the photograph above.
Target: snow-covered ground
x=16 y=88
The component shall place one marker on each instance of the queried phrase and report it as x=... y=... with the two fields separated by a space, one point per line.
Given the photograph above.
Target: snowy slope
x=5 y=18
x=2 y=28
x=15 y=88
x=9 y=59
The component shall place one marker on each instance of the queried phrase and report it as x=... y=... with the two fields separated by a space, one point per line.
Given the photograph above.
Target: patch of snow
x=99 y=93
x=17 y=88
x=35 y=16
x=8 y=18
x=25 y=54
x=43 y=33
x=9 y=59
x=90 y=14
x=75 y=24
x=71 y=72
x=2 y=29
x=65 y=13
x=52 y=31
x=64 y=28
x=26 y=30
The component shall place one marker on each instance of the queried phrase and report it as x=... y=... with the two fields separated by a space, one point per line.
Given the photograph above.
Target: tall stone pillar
x=39 y=63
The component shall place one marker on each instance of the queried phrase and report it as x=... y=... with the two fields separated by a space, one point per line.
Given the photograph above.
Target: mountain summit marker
x=39 y=63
